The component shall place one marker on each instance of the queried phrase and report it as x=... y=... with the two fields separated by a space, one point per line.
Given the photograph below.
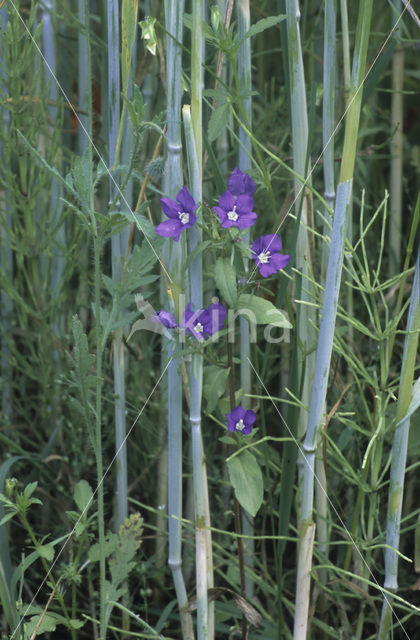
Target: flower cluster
x=235 y=209
x=202 y=324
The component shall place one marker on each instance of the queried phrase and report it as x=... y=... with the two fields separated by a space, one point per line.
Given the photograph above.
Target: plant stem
x=98 y=434
x=173 y=21
x=399 y=452
x=237 y=508
x=397 y=158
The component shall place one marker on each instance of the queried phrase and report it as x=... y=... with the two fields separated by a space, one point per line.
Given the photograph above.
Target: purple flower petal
x=240 y=420
x=240 y=183
x=244 y=203
x=181 y=215
x=170 y=207
x=195 y=322
x=247 y=220
x=170 y=229
x=217 y=313
x=236 y=212
x=186 y=200
x=270 y=242
x=266 y=255
x=166 y=318
x=227 y=201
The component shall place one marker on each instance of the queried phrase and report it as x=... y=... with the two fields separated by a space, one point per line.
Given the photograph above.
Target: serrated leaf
x=218 y=121
x=84 y=360
x=76 y=624
x=225 y=277
x=262 y=25
x=247 y=481
x=260 y=311
x=52 y=170
x=111 y=543
x=48 y=623
x=83 y=494
x=110 y=285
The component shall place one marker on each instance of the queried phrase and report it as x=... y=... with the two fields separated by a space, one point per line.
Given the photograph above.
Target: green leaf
x=111 y=543
x=218 y=121
x=225 y=276
x=261 y=311
x=76 y=624
x=7 y=517
x=202 y=246
x=29 y=489
x=82 y=494
x=243 y=248
x=216 y=387
x=247 y=481
x=46 y=551
x=224 y=403
x=128 y=33
x=66 y=183
x=49 y=623
x=261 y=26
x=227 y=440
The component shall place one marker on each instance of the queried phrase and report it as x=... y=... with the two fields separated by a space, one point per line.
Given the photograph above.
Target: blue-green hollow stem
x=399 y=453
x=196 y=390
x=173 y=21
x=56 y=189
x=118 y=252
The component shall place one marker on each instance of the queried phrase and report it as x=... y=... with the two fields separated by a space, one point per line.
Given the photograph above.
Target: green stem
x=98 y=432
x=45 y=565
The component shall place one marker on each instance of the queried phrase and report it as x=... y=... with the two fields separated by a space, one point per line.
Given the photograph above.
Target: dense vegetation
x=207 y=394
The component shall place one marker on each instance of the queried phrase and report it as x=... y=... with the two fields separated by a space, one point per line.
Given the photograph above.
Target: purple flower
x=240 y=183
x=166 y=318
x=241 y=420
x=205 y=322
x=236 y=212
x=267 y=256
x=180 y=213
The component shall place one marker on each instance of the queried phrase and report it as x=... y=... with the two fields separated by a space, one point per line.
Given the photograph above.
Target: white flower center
x=184 y=217
x=232 y=215
x=199 y=327
x=263 y=257
x=240 y=425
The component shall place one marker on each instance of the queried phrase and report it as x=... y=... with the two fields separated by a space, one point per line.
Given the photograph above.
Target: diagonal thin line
x=407 y=7
x=87 y=134
x=93 y=495
x=302 y=452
